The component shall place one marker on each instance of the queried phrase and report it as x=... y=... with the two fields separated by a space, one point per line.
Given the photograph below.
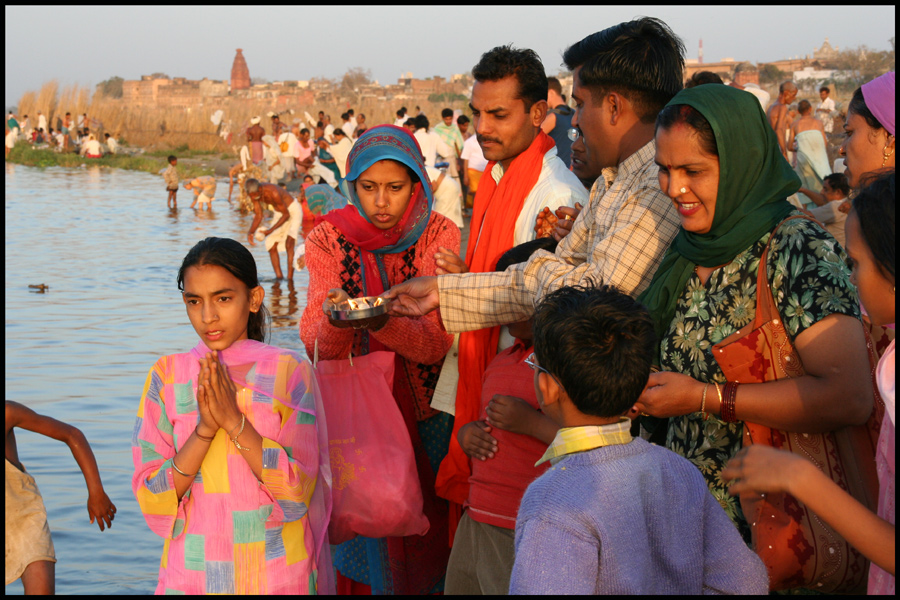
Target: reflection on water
x=108 y=247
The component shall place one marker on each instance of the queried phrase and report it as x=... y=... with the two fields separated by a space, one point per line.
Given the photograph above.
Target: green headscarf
x=754 y=182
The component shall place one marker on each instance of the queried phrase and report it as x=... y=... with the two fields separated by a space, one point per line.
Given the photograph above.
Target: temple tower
x=240 y=74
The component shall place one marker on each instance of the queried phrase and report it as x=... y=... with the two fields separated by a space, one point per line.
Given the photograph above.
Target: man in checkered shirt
x=623 y=76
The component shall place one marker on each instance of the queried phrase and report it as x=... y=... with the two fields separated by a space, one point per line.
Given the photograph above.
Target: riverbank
x=24 y=154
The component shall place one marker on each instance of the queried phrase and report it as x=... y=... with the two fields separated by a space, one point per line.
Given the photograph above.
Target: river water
x=109 y=249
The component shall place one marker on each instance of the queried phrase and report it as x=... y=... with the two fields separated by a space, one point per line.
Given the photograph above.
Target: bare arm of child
x=99 y=506
x=476 y=440
x=514 y=414
x=764 y=469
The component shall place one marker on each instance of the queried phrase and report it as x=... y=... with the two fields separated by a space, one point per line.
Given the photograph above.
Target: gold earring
x=886 y=155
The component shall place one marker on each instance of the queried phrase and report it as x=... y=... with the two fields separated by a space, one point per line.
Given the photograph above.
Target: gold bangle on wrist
x=241 y=425
x=235 y=438
x=719 y=392
x=703 y=402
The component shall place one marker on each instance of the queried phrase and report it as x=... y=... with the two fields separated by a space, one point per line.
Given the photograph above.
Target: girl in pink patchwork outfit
x=230 y=445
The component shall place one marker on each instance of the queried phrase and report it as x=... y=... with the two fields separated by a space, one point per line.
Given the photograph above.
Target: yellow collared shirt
x=569 y=440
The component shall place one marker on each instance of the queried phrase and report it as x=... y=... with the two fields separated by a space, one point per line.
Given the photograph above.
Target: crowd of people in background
x=674 y=311
x=66 y=137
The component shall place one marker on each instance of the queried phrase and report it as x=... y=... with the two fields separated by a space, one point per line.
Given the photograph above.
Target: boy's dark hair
x=524 y=64
x=824 y=88
x=421 y=122
x=304 y=130
x=171 y=158
x=804 y=107
x=839 y=182
x=447 y=112
x=875 y=208
x=522 y=252
x=598 y=342
x=237 y=260
x=641 y=59
x=462 y=119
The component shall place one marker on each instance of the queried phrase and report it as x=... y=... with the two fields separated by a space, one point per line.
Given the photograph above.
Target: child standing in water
x=29 y=548
x=171 y=177
x=230 y=447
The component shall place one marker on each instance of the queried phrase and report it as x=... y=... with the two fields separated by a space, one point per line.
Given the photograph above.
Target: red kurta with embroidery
x=422 y=342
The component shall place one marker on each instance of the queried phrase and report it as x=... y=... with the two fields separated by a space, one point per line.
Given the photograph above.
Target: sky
x=85 y=45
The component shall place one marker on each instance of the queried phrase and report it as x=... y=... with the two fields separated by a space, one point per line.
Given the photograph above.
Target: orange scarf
x=494 y=216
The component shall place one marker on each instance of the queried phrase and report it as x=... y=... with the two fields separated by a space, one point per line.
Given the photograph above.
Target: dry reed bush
x=168 y=127
x=45 y=101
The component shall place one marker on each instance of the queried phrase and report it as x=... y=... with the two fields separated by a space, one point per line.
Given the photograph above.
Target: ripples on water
x=109 y=249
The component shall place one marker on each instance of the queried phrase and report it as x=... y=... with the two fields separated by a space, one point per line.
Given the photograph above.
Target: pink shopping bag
x=375 y=487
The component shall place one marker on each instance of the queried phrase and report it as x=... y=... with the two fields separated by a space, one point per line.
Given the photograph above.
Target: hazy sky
x=86 y=45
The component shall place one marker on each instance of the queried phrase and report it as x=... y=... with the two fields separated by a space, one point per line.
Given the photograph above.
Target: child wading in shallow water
x=230 y=446
x=171 y=177
x=29 y=548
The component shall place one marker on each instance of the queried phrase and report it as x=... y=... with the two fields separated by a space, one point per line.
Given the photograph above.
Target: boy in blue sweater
x=615 y=514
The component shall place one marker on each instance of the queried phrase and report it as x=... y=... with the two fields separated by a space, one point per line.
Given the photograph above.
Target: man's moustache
x=484 y=139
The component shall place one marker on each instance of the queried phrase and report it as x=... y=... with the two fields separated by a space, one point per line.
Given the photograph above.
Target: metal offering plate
x=354 y=309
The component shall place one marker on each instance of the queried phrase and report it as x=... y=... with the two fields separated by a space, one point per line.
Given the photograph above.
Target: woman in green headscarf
x=720 y=164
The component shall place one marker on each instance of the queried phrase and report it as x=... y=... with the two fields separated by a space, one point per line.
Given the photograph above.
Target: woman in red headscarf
x=386 y=235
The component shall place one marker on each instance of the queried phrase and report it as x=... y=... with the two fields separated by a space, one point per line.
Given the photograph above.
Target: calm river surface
x=109 y=249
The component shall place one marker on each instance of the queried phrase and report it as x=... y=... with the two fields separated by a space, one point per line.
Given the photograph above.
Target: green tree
x=862 y=64
x=111 y=88
x=447 y=98
x=771 y=74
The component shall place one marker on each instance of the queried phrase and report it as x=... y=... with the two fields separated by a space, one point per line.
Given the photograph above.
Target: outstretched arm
x=761 y=469
x=99 y=506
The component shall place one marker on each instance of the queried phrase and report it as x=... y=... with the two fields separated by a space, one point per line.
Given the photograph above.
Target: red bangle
x=727 y=410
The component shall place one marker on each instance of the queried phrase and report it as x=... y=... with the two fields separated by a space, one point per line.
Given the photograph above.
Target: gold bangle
x=235 y=438
x=174 y=466
x=703 y=400
x=719 y=392
x=236 y=426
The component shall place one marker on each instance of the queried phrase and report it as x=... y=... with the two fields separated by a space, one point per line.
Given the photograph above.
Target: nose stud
x=683 y=190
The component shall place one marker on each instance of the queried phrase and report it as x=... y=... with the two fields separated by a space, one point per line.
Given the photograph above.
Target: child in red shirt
x=504 y=444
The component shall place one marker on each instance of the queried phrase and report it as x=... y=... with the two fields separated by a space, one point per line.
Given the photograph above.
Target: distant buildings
x=240 y=74
x=178 y=91
x=173 y=92
x=815 y=67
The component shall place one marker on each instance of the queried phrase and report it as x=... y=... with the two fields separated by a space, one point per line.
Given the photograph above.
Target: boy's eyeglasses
x=531 y=361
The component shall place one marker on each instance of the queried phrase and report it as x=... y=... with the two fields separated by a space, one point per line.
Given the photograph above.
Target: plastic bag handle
x=316 y=354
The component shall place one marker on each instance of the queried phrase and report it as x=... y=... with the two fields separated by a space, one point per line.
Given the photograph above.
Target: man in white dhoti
x=809 y=142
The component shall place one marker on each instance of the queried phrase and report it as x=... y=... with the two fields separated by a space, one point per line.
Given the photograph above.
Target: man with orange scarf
x=523 y=176
x=623 y=76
